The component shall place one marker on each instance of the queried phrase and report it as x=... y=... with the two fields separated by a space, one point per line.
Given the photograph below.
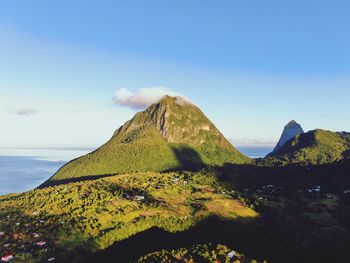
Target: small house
x=175 y=180
x=139 y=197
x=7 y=258
x=329 y=196
x=268 y=186
x=40 y=243
x=232 y=254
x=317 y=189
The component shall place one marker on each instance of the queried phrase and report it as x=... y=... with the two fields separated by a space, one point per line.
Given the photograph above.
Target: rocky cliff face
x=177 y=121
x=290 y=130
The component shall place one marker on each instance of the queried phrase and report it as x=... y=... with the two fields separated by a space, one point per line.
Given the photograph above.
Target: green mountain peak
x=171 y=134
x=177 y=121
x=315 y=147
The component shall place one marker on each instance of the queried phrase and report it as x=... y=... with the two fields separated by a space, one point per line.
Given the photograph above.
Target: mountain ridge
x=315 y=147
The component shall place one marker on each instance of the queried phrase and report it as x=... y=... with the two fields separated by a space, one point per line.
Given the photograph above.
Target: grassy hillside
x=91 y=215
x=315 y=147
x=140 y=150
x=170 y=135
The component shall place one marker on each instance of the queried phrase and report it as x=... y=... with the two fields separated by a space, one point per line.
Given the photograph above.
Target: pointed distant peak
x=292 y=123
x=290 y=130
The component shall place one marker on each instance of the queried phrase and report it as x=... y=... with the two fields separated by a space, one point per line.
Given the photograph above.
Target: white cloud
x=25 y=111
x=143 y=97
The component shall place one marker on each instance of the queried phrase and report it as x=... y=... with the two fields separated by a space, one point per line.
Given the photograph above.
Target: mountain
x=315 y=147
x=169 y=135
x=290 y=130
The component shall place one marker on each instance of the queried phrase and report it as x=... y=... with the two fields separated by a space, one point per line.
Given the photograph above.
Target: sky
x=71 y=72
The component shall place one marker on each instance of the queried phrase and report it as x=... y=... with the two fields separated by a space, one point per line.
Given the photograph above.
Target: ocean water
x=25 y=169
x=255 y=152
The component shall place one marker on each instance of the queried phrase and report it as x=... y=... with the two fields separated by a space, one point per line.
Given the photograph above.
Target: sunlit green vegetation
x=77 y=218
x=197 y=254
x=315 y=147
x=92 y=215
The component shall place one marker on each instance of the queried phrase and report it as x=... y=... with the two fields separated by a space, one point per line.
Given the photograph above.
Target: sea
x=25 y=169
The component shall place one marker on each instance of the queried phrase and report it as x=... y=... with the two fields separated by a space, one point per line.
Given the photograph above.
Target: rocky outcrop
x=290 y=131
x=177 y=121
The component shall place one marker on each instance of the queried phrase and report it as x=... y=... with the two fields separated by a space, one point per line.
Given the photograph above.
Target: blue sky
x=251 y=67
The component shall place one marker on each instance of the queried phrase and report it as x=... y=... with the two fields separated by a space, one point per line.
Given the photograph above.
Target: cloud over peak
x=142 y=98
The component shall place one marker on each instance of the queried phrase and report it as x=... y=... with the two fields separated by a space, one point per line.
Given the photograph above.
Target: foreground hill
x=76 y=219
x=170 y=135
x=282 y=214
x=301 y=214
x=315 y=147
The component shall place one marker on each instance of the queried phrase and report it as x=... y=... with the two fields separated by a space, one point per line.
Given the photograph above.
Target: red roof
x=7 y=257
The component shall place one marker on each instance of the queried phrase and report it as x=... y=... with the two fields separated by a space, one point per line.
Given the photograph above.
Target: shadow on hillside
x=20 y=230
x=73 y=180
x=188 y=158
x=346 y=154
x=236 y=234
x=278 y=235
x=332 y=177
x=256 y=238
